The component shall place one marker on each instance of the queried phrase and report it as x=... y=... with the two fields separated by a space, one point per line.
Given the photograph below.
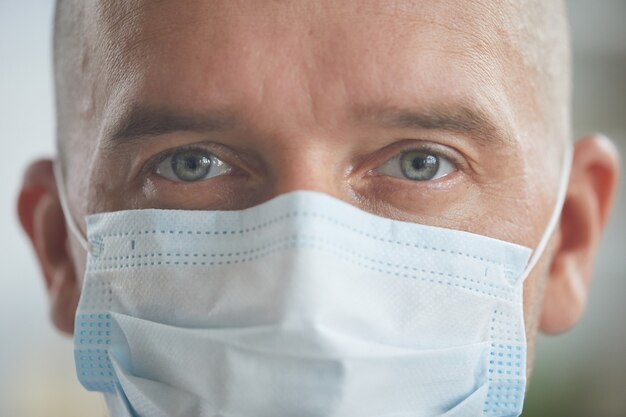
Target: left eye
x=191 y=165
x=417 y=165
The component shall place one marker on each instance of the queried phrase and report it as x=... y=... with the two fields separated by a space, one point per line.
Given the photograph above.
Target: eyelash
x=432 y=149
x=153 y=163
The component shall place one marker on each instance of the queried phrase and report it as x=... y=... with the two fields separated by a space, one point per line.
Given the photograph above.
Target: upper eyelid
x=426 y=147
x=152 y=164
x=165 y=154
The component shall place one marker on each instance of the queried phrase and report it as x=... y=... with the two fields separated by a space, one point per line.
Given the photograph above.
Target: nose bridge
x=308 y=164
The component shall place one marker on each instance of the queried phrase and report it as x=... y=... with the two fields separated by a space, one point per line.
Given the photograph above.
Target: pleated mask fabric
x=302 y=306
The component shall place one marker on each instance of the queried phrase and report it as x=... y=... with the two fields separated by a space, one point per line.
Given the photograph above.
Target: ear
x=42 y=219
x=592 y=187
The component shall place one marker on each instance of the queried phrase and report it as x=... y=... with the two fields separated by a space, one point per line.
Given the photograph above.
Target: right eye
x=417 y=165
x=190 y=165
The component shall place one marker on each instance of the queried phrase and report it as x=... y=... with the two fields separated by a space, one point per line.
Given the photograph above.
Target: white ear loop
x=556 y=213
x=69 y=219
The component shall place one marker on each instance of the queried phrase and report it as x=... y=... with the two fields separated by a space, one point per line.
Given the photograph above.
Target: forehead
x=226 y=20
x=314 y=58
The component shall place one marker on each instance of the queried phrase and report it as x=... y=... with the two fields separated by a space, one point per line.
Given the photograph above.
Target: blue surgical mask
x=301 y=306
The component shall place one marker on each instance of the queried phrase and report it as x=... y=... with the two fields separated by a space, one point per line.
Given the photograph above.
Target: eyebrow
x=145 y=121
x=456 y=118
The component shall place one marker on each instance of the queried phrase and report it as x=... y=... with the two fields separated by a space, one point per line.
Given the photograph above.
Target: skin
x=306 y=94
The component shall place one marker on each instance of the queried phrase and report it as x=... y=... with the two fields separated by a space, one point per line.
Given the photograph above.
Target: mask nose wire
x=556 y=213
x=69 y=219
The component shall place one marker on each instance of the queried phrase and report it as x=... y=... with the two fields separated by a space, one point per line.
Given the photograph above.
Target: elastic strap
x=556 y=213
x=69 y=219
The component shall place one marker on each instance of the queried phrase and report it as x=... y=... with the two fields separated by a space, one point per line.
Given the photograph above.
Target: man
x=441 y=113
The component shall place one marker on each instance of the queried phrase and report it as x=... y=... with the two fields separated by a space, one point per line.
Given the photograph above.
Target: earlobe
x=42 y=219
x=593 y=182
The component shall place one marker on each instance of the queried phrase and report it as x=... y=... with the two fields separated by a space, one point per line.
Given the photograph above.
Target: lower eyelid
x=396 y=184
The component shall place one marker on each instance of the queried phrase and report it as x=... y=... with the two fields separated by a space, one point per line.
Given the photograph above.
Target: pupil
x=192 y=164
x=421 y=162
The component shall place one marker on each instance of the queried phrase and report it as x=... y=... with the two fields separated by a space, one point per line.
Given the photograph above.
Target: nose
x=313 y=168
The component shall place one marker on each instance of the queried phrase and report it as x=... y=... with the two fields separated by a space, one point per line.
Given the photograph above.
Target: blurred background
x=579 y=374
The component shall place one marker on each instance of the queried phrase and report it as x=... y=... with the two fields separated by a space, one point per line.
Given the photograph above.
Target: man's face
x=419 y=111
